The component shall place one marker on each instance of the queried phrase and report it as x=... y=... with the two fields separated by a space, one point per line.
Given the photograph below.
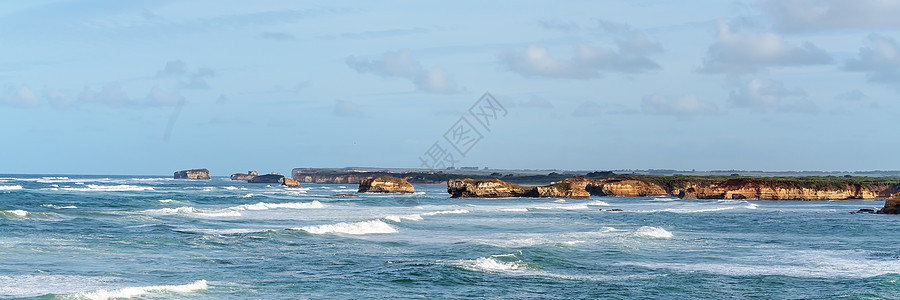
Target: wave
x=574 y=206
x=419 y=217
x=230 y=188
x=10 y=187
x=59 y=207
x=751 y=206
x=247 y=195
x=15 y=213
x=265 y=206
x=415 y=217
x=653 y=232
x=358 y=228
x=491 y=264
x=188 y=210
x=109 y=188
x=166 y=201
x=130 y=292
x=444 y=212
x=22 y=286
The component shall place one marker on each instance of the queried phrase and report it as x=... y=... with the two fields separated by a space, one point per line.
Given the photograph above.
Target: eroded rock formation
x=496 y=188
x=245 y=177
x=192 y=174
x=291 y=183
x=268 y=178
x=385 y=184
x=891 y=205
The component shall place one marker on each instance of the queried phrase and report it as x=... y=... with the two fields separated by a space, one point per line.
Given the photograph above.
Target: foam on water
x=230 y=188
x=653 y=232
x=415 y=217
x=15 y=213
x=247 y=195
x=188 y=210
x=130 y=292
x=18 y=286
x=358 y=228
x=166 y=201
x=59 y=207
x=492 y=264
x=751 y=206
x=10 y=187
x=109 y=188
x=444 y=212
x=514 y=209
x=265 y=206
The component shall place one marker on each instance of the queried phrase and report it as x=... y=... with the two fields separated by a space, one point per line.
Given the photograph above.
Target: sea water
x=101 y=237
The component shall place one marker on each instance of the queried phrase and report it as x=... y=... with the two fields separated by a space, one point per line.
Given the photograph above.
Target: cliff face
x=287 y=182
x=242 y=176
x=192 y=174
x=385 y=184
x=697 y=188
x=496 y=188
x=892 y=205
x=268 y=178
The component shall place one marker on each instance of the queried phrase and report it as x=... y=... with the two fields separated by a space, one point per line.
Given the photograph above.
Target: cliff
x=891 y=205
x=385 y=184
x=192 y=174
x=268 y=178
x=287 y=182
x=242 y=176
x=496 y=188
x=685 y=187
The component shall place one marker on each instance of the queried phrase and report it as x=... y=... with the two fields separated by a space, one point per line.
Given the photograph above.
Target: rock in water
x=345 y=195
x=192 y=174
x=268 y=178
x=242 y=176
x=291 y=183
x=891 y=205
x=385 y=184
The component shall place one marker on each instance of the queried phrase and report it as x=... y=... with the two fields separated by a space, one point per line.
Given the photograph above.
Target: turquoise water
x=96 y=237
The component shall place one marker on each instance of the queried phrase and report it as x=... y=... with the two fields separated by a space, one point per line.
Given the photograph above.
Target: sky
x=152 y=87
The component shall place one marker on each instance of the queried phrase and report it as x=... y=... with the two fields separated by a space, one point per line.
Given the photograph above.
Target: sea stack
x=385 y=184
x=192 y=174
x=291 y=183
x=268 y=178
x=891 y=205
x=242 y=176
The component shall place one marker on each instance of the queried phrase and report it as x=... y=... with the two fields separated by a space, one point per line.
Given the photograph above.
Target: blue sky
x=150 y=87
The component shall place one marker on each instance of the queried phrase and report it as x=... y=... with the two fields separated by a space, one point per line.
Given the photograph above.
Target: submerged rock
x=891 y=205
x=192 y=174
x=864 y=211
x=385 y=184
x=242 y=176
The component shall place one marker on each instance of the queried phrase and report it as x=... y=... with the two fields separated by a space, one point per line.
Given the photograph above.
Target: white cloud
x=188 y=80
x=765 y=95
x=747 y=52
x=59 y=99
x=685 y=105
x=818 y=15
x=113 y=95
x=345 y=109
x=880 y=60
x=587 y=62
x=402 y=64
x=175 y=67
x=18 y=97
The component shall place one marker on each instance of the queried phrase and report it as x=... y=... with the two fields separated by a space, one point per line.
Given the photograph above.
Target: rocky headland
x=891 y=205
x=385 y=184
x=686 y=187
x=192 y=174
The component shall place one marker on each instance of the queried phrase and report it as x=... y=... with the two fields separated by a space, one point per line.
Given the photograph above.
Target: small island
x=891 y=205
x=385 y=184
x=193 y=174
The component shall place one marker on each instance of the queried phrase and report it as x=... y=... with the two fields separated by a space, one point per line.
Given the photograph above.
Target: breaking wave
x=653 y=232
x=109 y=188
x=15 y=213
x=265 y=206
x=59 y=207
x=130 y=292
x=10 y=187
x=358 y=228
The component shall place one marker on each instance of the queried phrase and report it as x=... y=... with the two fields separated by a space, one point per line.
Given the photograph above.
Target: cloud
x=187 y=80
x=587 y=62
x=20 y=96
x=345 y=109
x=748 y=52
x=59 y=99
x=401 y=64
x=820 y=15
x=880 y=60
x=588 y=109
x=278 y=36
x=683 y=106
x=174 y=68
x=854 y=95
x=765 y=95
x=113 y=95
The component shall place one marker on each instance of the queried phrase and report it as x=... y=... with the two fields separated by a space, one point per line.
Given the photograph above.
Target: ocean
x=101 y=237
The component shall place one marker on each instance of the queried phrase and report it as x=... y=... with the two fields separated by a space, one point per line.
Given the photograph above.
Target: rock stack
x=192 y=174
x=385 y=184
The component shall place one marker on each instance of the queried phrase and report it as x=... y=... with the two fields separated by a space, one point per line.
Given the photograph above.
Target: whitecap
x=59 y=207
x=10 y=187
x=415 y=217
x=15 y=213
x=130 y=292
x=230 y=188
x=751 y=206
x=491 y=264
x=293 y=205
x=19 y=286
x=514 y=209
x=247 y=195
x=166 y=201
x=358 y=228
x=444 y=212
x=110 y=188
x=654 y=232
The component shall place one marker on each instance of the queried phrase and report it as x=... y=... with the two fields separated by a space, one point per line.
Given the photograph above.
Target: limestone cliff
x=385 y=184
x=891 y=205
x=291 y=183
x=495 y=188
x=245 y=177
x=192 y=174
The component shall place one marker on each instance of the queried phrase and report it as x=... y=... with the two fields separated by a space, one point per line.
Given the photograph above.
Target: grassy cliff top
x=817 y=182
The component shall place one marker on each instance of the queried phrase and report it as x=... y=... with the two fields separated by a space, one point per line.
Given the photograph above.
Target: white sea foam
x=19 y=286
x=419 y=217
x=167 y=211
x=751 y=206
x=166 y=201
x=654 y=232
x=444 y=212
x=492 y=264
x=358 y=228
x=247 y=195
x=220 y=214
x=514 y=209
x=59 y=207
x=109 y=188
x=699 y=210
x=265 y=206
x=15 y=213
x=608 y=229
x=130 y=292
x=230 y=188
x=10 y=187
x=415 y=217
